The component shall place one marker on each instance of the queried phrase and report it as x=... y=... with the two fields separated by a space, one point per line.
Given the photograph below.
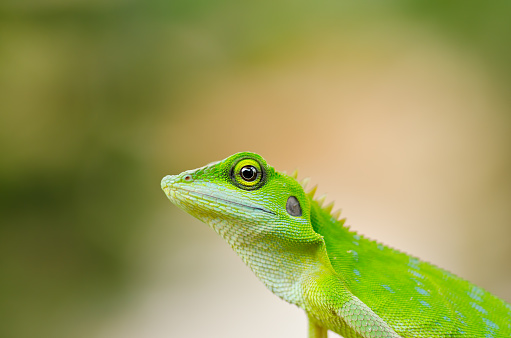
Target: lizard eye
x=247 y=174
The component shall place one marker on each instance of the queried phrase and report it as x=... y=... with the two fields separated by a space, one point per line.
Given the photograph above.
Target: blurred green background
x=400 y=110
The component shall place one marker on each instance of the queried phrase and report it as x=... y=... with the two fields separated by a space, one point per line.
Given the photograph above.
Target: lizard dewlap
x=305 y=255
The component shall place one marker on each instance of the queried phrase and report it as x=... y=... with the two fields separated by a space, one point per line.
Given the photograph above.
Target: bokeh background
x=400 y=110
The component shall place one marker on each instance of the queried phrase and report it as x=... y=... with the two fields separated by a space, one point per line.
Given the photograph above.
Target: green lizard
x=307 y=256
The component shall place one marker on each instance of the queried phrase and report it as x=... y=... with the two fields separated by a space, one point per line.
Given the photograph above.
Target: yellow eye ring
x=247 y=174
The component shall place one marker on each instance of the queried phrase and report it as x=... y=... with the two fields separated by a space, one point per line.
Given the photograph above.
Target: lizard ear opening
x=293 y=206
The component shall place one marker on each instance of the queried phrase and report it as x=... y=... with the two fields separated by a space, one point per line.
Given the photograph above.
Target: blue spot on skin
x=447 y=318
x=424 y=303
x=489 y=335
x=490 y=324
x=474 y=297
x=380 y=247
x=478 y=308
x=355 y=255
x=357 y=237
x=476 y=293
x=356 y=272
x=415 y=273
x=413 y=262
x=356 y=243
x=477 y=290
x=419 y=283
x=388 y=288
x=421 y=291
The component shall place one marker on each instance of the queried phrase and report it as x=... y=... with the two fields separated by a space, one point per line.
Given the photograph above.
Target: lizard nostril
x=187 y=178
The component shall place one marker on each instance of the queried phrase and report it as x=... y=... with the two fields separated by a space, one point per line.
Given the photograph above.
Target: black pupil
x=248 y=173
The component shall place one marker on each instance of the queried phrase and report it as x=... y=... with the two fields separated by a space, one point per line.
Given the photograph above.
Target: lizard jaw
x=179 y=192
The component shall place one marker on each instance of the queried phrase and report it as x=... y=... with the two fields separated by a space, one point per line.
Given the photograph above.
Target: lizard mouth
x=224 y=201
x=198 y=197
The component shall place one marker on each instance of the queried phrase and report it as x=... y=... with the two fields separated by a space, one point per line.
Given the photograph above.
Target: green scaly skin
x=346 y=283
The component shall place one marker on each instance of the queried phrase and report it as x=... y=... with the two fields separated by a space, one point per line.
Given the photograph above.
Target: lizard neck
x=282 y=266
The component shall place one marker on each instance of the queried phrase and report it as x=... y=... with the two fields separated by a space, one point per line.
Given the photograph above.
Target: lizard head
x=264 y=215
x=244 y=200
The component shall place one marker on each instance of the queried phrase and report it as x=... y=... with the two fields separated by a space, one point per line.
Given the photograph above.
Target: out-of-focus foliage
x=90 y=89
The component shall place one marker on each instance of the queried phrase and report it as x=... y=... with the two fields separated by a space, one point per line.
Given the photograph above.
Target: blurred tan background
x=400 y=110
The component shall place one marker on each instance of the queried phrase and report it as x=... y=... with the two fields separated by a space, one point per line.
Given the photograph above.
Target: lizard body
x=345 y=282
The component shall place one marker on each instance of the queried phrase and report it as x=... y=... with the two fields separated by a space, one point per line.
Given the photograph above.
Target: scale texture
x=307 y=256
